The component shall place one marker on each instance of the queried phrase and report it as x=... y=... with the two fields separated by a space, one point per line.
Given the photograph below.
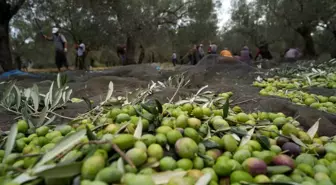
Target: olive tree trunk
x=7 y=11
x=5 y=52
x=309 y=50
x=130 y=50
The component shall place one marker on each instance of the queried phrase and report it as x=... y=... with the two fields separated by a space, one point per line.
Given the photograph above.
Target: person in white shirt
x=292 y=55
x=201 y=51
x=81 y=54
x=174 y=58
x=213 y=48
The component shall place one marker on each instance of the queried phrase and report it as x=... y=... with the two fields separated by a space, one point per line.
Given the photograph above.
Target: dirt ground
x=221 y=74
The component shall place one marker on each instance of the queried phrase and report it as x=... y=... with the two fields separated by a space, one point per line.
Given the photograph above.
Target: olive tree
x=8 y=8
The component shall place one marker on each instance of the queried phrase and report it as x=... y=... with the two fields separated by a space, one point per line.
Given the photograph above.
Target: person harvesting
x=61 y=48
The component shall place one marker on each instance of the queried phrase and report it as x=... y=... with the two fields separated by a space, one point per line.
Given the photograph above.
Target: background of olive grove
x=164 y=26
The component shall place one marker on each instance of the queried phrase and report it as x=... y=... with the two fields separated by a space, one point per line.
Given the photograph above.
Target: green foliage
x=34 y=107
x=102 y=25
x=281 y=24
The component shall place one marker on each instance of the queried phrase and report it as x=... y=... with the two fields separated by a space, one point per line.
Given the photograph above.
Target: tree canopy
x=161 y=27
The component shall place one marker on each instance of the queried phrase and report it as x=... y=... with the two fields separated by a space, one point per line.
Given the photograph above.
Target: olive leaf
x=308 y=79
x=35 y=97
x=139 y=113
x=120 y=165
x=26 y=116
x=264 y=142
x=313 y=130
x=298 y=141
x=43 y=114
x=248 y=137
x=151 y=165
x=60 y=170
x=91 y=136
x=210 y=144
x=70 y=157
x=207 y=130
x=162 y=84
x=149 y=109
x=57 y=181
x=110 y=91
x=8 y=91
x=88 y=103
x=204 y=180
x=226 y=107
x=159 y=106
x=182 y=102
x=49 y=121
x=278 y=169
x=10 y=140
x=138 y=130
x=50 y=93
x=123 y=127
x=56 y=99
x=205 y=157
x=64 y=79
x=59 y=80
x=47 y=100
x=26 y=93
x=204 y=130
x=65 y=144
x=239 y=132
x=18 y=97
x=201 y=89
x=24 y=177
x=235 y=136
x=66 y=95
x=164 y=177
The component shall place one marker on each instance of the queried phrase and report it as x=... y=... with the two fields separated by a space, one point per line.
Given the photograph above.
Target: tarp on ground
x=16 y=72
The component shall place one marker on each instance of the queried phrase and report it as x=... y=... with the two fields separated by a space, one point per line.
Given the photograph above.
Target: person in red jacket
x=264 y=53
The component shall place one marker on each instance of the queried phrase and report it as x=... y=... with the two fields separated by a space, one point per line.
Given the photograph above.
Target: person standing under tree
x=246 y=55
x=190 y=57
x=195 y=55
x=213 y=48
x=61 y=48
x=292 y=55
x=174 y=58
x=201 y=51
x=81 y=54
x=263 y=52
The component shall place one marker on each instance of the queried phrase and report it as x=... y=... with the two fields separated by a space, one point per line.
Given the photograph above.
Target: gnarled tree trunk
x=309 y=50
x=305 y=32
x=142 y=54
x=7 y=11
x=5 y=53
x=333 y=52
x=130 y=50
